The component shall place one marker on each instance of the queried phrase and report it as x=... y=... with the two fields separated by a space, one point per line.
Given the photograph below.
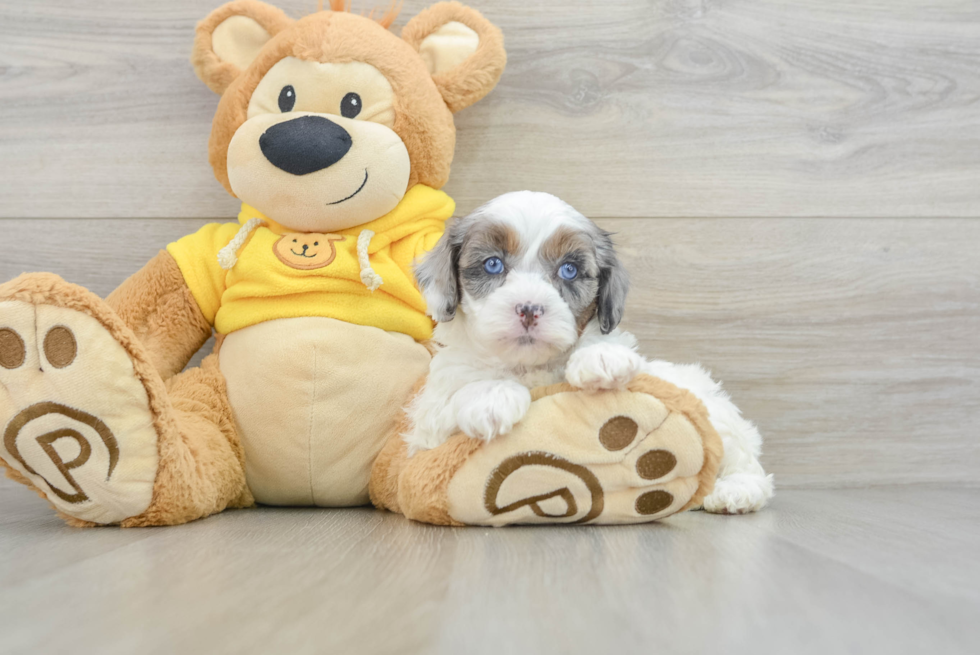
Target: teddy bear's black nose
x=305 y=145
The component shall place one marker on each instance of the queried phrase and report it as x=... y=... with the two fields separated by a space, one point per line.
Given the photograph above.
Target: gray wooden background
x=793 y=183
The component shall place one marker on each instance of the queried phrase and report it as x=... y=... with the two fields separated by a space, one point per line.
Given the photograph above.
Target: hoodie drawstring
x=369 y=276
x=228 y=256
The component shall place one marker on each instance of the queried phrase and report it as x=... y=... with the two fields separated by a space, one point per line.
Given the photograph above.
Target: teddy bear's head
x=325 y=122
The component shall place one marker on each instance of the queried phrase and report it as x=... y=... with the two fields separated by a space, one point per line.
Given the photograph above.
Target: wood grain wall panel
x=624 y=108
x=853 y=343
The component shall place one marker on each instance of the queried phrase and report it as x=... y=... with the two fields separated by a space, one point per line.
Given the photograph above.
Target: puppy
x=527 y=292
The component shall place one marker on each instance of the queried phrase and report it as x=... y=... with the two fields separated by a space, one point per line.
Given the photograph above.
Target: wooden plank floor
x=891 y=570
x=622 y=107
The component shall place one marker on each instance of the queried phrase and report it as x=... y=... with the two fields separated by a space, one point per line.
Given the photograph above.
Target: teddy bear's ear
x=230 y=37
x=463 y=51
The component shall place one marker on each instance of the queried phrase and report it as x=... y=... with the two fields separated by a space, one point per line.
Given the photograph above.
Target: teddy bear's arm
x=157 y=305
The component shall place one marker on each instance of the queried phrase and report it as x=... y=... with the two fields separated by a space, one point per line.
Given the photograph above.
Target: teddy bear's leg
x=202 y=471
x=86 y=419
x=577 y=457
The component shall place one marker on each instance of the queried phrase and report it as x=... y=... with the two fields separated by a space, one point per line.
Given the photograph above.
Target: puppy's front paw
x=491 y=408
x=739 y=493
x=602 y=366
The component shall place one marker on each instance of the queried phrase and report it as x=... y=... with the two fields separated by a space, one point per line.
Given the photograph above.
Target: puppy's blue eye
x=493 y=266
x=568 y=271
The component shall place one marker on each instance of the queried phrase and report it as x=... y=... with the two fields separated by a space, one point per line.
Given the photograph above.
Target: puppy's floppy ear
x=438 y=274
x=230 y=37
x=614 y=284
x=463 y=51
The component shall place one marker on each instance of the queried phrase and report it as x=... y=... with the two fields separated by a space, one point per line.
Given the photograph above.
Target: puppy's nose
x=305 y=145
x=305 y=247
x=529 y=313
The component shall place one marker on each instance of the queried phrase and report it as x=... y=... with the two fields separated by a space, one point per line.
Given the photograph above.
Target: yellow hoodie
x=361 y=275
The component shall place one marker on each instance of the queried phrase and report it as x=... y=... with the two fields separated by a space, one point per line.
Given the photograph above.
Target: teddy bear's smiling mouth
x=303 y=254
x=353 y=194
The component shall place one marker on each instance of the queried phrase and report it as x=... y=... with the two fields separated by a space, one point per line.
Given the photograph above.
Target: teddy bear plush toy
x=336 y=135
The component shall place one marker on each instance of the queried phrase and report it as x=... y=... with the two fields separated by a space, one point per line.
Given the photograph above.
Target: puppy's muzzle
x=305 y=145
x=529 y=314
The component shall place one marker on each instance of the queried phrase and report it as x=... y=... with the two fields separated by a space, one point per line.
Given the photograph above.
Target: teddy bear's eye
x=316 y=243
x=287 y=98
x=350 y=106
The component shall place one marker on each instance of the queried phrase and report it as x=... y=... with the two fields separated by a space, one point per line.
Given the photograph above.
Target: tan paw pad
x=611 y=457
x=74 y=418
x=634 y=505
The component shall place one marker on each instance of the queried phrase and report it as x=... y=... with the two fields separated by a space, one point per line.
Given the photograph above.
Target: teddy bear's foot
x=76 y=415
x=610 y=457
x=577 y=457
